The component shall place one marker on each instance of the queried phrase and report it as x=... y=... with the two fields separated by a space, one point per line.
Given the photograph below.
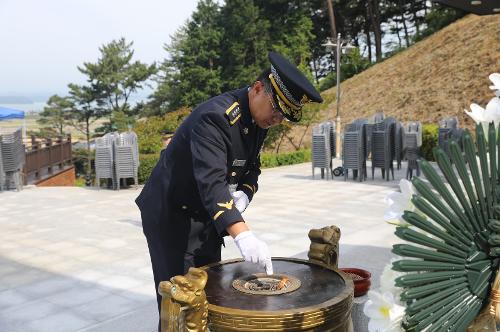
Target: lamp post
x=339 y=46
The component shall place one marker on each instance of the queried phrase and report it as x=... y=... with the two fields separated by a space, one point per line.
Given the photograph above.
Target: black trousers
x=177 y=244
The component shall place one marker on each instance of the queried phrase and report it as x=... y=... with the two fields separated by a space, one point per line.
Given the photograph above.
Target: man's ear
x=258 y=86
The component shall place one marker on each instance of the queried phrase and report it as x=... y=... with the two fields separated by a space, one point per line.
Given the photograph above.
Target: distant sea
x=28 y=104
x=27 y=107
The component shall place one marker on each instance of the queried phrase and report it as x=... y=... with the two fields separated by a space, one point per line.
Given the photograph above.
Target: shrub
x=352 y=64
x=146 y=164
x=80 y=161
x=268 y=160
x=149 y=130
x=79 y=182
x=327 y=82
x=149 y=161
x=429 y=140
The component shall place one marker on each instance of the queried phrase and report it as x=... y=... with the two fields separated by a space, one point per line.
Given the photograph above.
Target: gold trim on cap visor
x=295 y=114
x=281 y=95
x=284 y=89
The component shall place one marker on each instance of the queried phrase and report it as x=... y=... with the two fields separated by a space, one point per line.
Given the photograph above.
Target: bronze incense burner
x=303 y=295
x=313 y=297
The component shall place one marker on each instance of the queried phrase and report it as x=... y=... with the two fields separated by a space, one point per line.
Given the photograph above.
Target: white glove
x=240 y=200
x=254 y=250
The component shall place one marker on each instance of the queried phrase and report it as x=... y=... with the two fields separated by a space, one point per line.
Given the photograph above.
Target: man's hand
x=241 y=200
x=254 y=250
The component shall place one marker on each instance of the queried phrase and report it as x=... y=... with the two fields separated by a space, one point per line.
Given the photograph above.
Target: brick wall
x=65 y=178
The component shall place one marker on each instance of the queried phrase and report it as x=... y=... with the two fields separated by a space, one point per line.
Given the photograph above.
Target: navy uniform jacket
x=216 y=146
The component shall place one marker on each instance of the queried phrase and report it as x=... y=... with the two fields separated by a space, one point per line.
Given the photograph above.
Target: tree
x=291 y=33
x=56 y=114
x=192 y=72
x=373 y=13
x=438 y=17
x=114 y=78
x=223 y=47
x=86 y=107
x=246 y=43
x=321 y=60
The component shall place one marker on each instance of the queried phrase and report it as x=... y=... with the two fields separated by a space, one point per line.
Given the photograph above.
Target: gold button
x=233 y=174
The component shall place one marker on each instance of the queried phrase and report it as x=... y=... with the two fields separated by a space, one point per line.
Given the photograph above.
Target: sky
x=43 y=41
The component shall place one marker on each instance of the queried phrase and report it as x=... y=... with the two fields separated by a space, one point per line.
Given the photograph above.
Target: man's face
x=262 y=107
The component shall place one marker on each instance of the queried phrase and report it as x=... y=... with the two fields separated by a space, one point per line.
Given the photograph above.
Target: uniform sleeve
x=209 y=140
x=249 y=183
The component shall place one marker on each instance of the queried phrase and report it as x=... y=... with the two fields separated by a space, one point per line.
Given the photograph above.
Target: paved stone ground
x=75 y=259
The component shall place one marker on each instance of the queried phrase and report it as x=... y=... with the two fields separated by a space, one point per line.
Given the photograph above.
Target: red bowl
x=361 y=279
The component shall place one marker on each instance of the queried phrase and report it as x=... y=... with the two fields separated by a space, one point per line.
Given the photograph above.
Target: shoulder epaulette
x=233 y=113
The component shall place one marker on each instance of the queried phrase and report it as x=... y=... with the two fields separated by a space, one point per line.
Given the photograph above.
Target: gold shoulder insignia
x=233 y=113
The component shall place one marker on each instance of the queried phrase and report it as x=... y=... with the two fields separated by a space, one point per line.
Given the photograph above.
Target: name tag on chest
x=239 y=162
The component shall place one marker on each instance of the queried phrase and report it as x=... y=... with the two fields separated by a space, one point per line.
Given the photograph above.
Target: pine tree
x=57 y=113
x=87 y=106
x=115 y=77
x=192 y=72
x=246 y=43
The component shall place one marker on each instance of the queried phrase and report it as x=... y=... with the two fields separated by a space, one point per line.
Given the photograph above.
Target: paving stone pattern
x=75 y=259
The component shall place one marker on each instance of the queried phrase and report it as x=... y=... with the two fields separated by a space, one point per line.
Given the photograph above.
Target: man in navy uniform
x=208 y=174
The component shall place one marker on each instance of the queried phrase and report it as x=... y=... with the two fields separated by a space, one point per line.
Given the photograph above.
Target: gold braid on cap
x=282 y=90
x=285 y=105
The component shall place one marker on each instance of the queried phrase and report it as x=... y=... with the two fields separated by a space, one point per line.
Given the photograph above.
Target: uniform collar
x=246 y=116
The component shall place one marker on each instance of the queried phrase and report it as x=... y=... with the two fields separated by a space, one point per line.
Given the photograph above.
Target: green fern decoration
x=454 y=238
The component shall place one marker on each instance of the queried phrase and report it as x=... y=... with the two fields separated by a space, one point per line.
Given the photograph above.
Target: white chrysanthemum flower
x=388 y=282
x=384 y=314
x=493 y=107
x=486 y=115
x=495 y=78
x=398 y=202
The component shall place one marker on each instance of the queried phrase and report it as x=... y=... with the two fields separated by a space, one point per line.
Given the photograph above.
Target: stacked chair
x=368 y=140
x=398 y=144
x=2 y=175
x=117 y=157
x=127 y=157
x=333 y=140
x=449 y=130
x=378 y=117
x=104 y=161
x=412 y=141
x=322 y=148
x=383 y=150
x=382 y=139
x=354 y=152
x=12 y=160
